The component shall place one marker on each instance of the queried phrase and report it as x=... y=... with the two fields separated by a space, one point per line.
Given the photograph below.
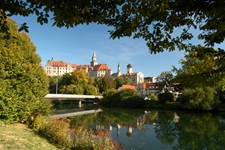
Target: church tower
x=118 y=70
x=129 y=68
x=94 y=60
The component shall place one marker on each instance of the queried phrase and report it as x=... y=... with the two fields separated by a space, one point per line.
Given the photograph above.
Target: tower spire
x=118 y=70
x=94 y=60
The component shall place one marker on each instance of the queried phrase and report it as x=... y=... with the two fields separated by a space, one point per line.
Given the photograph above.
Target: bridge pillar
x=79 y=104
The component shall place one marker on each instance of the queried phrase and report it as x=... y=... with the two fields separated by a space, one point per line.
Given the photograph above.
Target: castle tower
x=129 y=68
x=94 y=60
x=118 y=70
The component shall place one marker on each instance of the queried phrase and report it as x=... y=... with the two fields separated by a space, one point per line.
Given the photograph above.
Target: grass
x=20 y=137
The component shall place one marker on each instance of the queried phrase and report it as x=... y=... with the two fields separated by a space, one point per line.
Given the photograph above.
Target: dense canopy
x=23 y=80
x=163 y=24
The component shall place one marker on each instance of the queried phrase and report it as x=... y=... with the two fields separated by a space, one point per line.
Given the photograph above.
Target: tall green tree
x=105 y=83
x=201 y=67
x=164 y=80
x=24 y=83
x=77 y=82
x=199 y=98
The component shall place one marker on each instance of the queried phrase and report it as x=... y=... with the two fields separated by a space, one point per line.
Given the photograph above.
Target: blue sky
x=77 y=45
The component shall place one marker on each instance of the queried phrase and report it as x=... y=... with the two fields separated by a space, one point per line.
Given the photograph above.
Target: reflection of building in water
x=129 y=131
x=101 y=130
x=140 y=121
x=176 y=118
x=101 y=127
x=139 y=124
x=118 y=129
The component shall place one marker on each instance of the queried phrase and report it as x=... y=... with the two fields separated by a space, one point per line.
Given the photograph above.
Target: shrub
x=58 y=131
x=153 y=97
x=86 y=140
x=124 y=98
x=135 y=102
x=200 y=98
x=54 y=129
x=165 y=97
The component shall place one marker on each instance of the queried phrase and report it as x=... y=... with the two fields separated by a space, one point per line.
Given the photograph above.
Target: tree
x=24 y=83
x=199 y=98
x=77 y=82
x=105 y=83
x=120 y=81
x=201 y=67
x=127 y=98
x=164 y=80
x=54 y=83
x=153 y=97
x=154 y=21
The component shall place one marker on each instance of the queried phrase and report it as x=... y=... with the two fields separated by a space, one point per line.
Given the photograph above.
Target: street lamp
x=56 y=85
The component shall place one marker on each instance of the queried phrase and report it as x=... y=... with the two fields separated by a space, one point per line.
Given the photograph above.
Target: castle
x=58 y=68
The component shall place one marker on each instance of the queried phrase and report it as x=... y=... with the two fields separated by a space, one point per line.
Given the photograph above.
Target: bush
x=58 y=131
x=165 y=97
x=125 y=98
x=200 y=98
x=54 y=129
x=135 y=102
x=153 y=97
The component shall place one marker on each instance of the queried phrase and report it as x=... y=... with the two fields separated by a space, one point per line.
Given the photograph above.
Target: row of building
x=58 y=68
x=144 y=85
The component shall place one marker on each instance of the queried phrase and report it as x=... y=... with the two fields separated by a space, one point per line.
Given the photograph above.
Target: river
x=155 y=130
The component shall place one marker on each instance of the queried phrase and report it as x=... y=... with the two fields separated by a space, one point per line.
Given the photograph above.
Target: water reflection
x=139 y=129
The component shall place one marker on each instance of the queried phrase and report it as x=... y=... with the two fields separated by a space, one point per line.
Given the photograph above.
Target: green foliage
x=52 y=83
x=104 y=83
x=77 y=82
x=119 y=81
x=202 y=66
x=199 y=98
x=71 y=89
x=165 y=97
x=153 y=97
x=54 y=130
x=220 y=91
x=164 y=80
x=90 y=90
x=57 y=131
x=23 y=80
x=108 y=97
x=124 y=98
x=154 y=21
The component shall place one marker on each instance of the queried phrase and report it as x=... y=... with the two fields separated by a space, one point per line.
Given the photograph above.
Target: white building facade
x=58 y=68
x=136 y=77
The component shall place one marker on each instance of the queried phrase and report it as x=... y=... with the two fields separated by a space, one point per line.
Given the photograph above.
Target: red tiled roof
x=59 y=63
x=73 y=65
x=102 y=67
x=131 y=74
x=83 y=66
x=125 y=86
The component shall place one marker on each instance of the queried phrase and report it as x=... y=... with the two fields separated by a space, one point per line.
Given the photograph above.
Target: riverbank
x=20 y=137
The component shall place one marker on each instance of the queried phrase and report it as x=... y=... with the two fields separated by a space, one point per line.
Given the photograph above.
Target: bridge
x=73 y=97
